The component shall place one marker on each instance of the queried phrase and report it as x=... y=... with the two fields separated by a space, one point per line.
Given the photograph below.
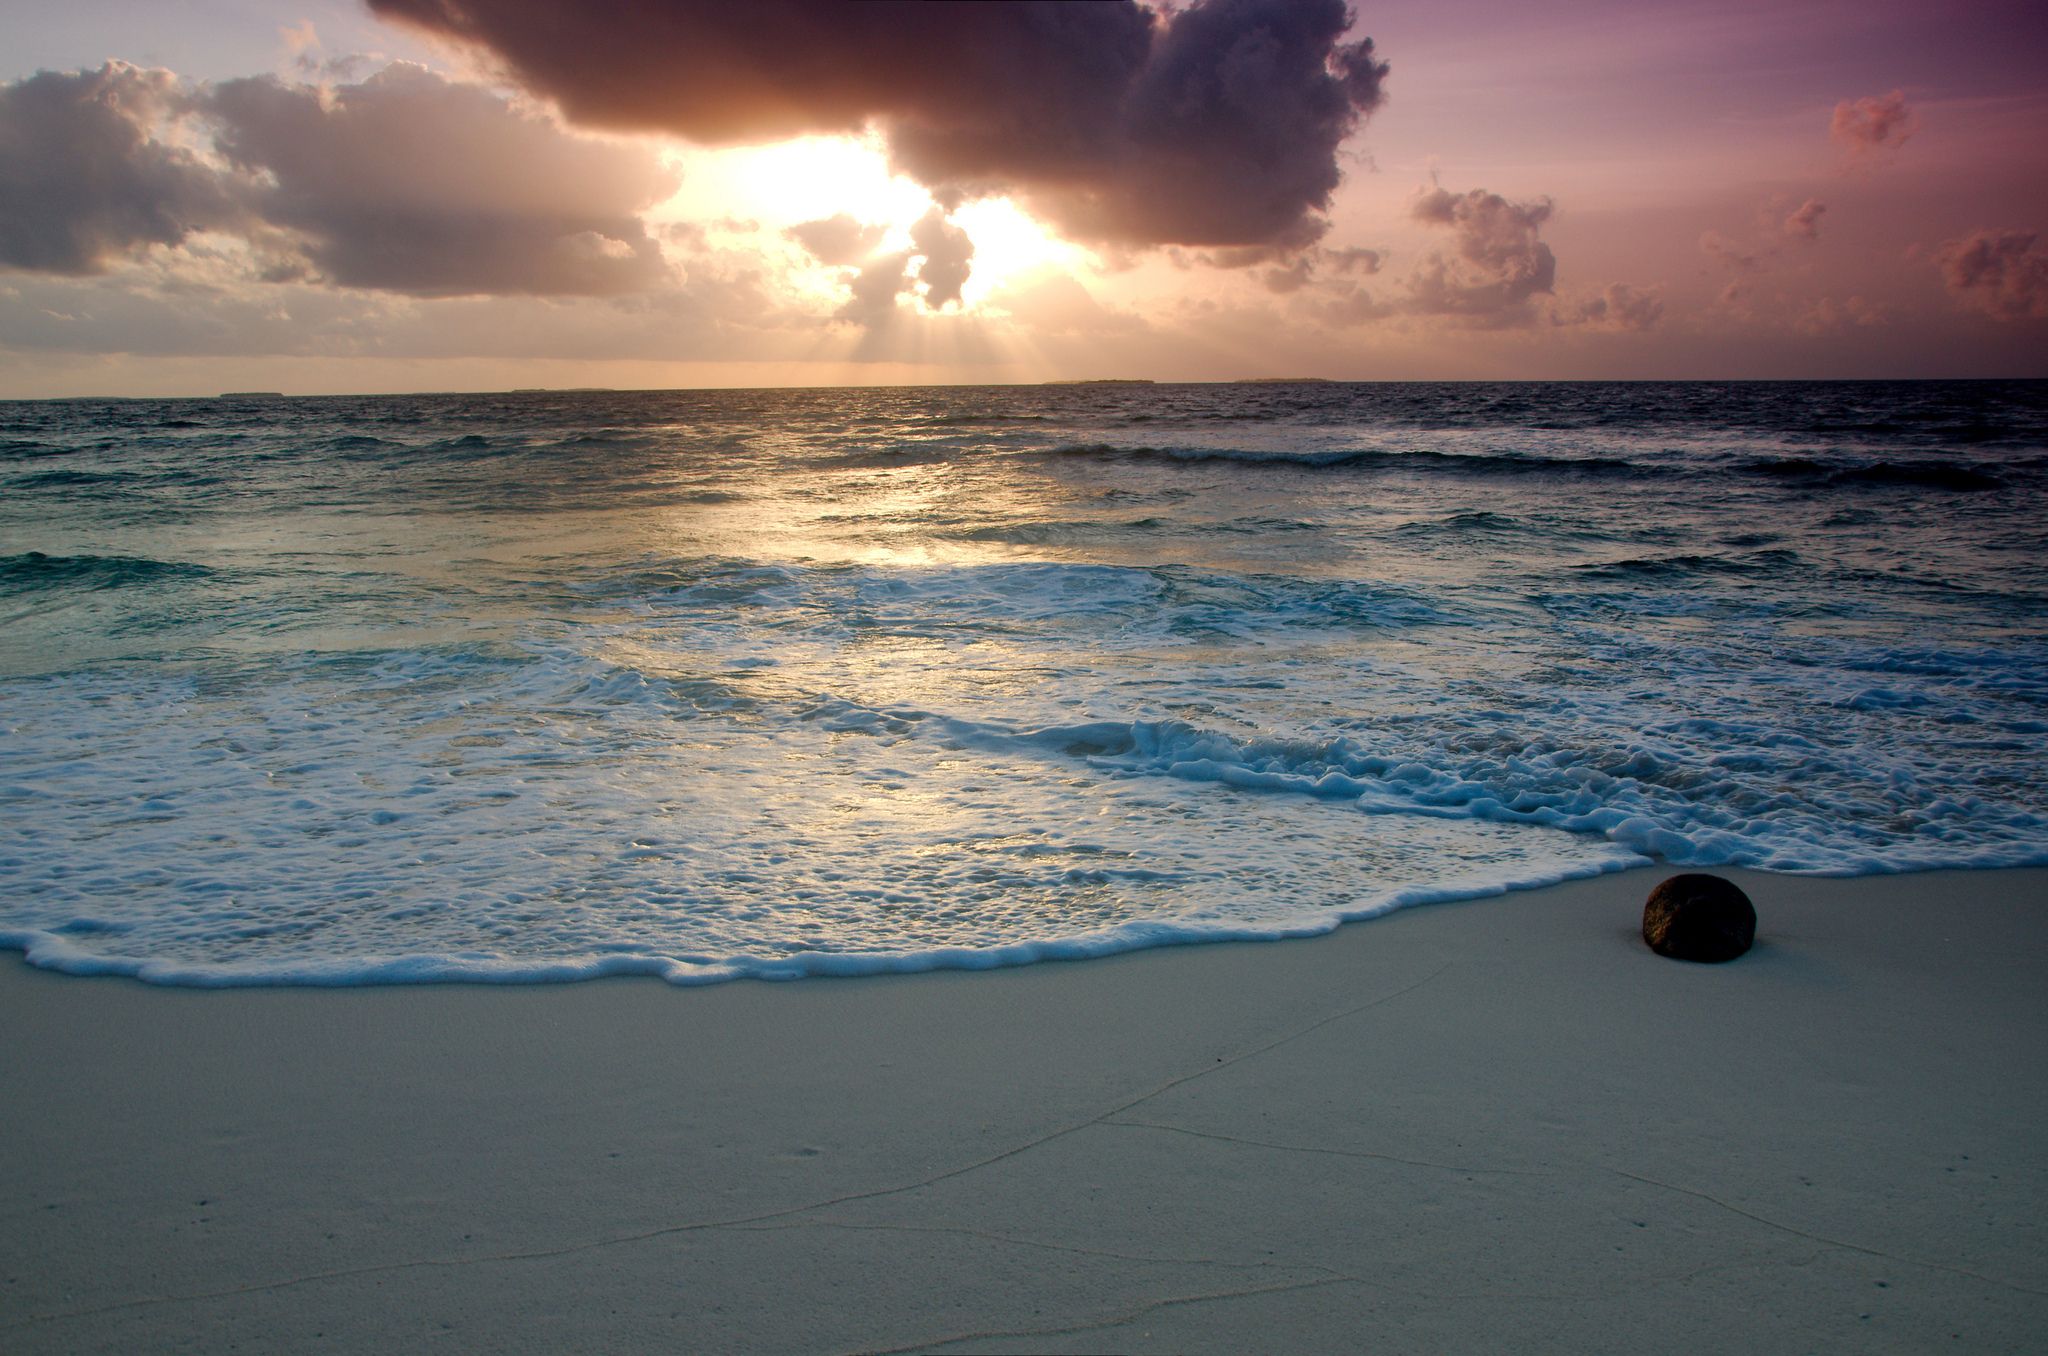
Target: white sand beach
x=1502 y=1125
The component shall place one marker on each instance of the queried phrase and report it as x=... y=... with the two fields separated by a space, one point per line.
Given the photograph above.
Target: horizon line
x=1026 y=385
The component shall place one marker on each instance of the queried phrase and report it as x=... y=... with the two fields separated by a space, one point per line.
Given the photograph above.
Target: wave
x=1059 y=533
x=359 y=442
x=1938 y=475
x=1958 y=476
x=1668 y=567
x=26 y=448
x=1072 y=601
x=1474 y=523
x=33 y=570
x=975 y=420
x=60 y=950
x=1485 y=525
x=68 y=480
x=1698 y=792
x=1368 y=459
x=1920 y=474
x=888 y=458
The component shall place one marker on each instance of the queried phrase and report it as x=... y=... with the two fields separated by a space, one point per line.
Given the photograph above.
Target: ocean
x=718 y=684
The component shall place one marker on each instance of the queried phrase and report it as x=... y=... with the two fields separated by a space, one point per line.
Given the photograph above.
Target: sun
x=1009 y=247
x=771 y=188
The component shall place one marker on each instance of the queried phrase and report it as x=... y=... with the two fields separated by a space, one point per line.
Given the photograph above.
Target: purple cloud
x=1719 y=247
x=410 y=183
x=404 y=182
x=1997 y=272
x=83 y=179
x=1880 y=122
x=1352 y=259
x=1804 y=222
x=1620 y=306
x=1496 y=263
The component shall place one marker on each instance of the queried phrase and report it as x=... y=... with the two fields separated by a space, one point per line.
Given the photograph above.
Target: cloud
x=837 y=240
x=301 y=41
x=1496 y=264
x=1214 y=125
x=1719 y=247
x=1352 y=259
x=410 y=183
x=1292 y=273
x=1237 y=256
x=1229 y=134
x=1804 y=222
x=202 y=306
x=947 y=252
x=940 y=258
x=872 y=292
x=1620 y=306
x=1829 y=317
x=1342 y=305
x=1287 y=268
x=1878 y=123
x=83 y=179
x=1292 y=278
x=1055 y=303
x=405 y=182
x=1997 y=272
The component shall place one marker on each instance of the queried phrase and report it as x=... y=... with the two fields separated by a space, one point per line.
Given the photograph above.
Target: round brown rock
x=1698 y=917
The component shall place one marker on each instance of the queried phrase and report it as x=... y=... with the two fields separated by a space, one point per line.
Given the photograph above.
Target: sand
x=1496 y=1125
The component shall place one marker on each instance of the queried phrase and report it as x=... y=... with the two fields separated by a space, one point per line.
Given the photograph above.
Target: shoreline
x=1501 y=1121
x=53 y=953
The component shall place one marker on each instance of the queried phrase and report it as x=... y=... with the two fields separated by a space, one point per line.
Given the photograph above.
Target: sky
x=398 y=195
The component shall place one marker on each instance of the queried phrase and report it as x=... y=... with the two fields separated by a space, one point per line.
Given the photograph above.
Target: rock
x=1698 y=917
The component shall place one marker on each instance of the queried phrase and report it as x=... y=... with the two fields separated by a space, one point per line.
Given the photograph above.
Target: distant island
x=250 y=395
x=563 y=390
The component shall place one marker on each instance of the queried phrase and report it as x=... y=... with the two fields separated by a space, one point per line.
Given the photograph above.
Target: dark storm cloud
x=1229 y=133
x=83 y=179
x=1496 y=263
x=1214 y=125
x=767 y=70
x=1997 y=272
x=409 y=183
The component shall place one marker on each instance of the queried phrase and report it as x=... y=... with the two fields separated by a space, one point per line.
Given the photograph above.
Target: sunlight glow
x=814 y=177
x=1008 y=247
x=771 y=188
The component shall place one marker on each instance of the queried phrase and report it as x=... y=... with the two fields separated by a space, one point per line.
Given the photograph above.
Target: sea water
x=712 y=684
